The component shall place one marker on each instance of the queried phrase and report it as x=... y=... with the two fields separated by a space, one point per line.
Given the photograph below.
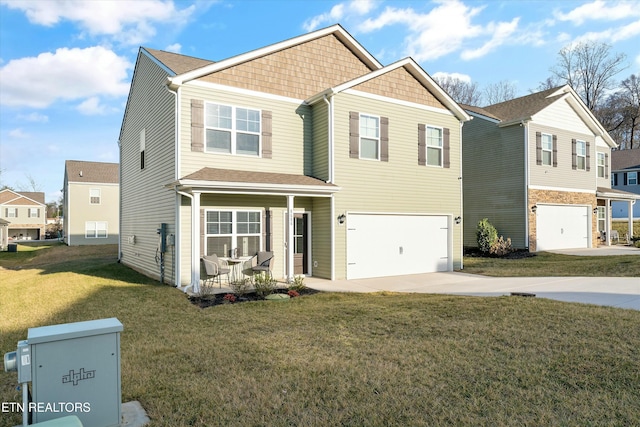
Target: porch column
x=195 y=242
x=290 y=242
x=607 y=221
x=630 y=233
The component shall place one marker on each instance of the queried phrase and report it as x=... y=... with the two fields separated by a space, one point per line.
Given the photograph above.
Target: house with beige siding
x=538 y=167
x=25 y=213
x=309 y=148
x=91 y=201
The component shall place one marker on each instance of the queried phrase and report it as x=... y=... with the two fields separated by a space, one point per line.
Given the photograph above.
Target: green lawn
x=334 y=359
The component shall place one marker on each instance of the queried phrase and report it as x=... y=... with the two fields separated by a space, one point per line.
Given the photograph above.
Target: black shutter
x=574 y=162
x=267 y=223
x=538 y=148
x=588 y=160
x=202 y=233
x=606 y=165
x=354 y=135
x=625 y=178
x=555 y=151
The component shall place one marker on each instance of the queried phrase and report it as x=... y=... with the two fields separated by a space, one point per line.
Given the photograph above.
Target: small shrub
x=501 y=247
x=486 y=235
x=240 y=286
x=297 y=284
x=293 y=293
x=205 y=290
x=264 y=284
x=229 y=298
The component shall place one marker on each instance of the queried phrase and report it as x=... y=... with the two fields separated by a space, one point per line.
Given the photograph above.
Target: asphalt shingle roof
x=82 y=171
x=176 y=62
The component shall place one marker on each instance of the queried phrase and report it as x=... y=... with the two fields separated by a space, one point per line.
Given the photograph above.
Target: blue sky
x=65 y=66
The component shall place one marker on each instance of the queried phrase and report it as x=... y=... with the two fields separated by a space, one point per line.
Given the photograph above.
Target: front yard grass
x=335 y=359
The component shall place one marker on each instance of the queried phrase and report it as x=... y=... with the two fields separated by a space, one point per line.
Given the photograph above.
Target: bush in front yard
x=486 y=235
x=501 y=247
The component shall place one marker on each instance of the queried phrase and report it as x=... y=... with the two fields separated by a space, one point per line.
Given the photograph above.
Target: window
x=94 y=196
x=601 y=165
x=602 y=220
x=232 y=130
x=12 y=212
x=369 y=137
x=632 y=178
x=581 y=155
x=95 y=230
x=434 y=146
x=226 y=231
x=547 y=149
x=34 y=212
x=142 y=147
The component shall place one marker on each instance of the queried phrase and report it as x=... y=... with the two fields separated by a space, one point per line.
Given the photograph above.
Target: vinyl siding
x=321 y=237
x=290 y=130
x=399 y=185
x=493 y=180
x=320 y=149
x=562 y=176
x=145 y=201
x=602 y=147
x=562 y=116
x=80 y=210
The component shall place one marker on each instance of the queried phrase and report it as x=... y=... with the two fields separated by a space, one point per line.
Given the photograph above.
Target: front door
x=300 y=243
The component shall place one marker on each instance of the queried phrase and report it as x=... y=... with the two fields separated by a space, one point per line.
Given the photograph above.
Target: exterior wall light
x=342 y=218
x=458 y=219
x=595 y=210
x=534 y=208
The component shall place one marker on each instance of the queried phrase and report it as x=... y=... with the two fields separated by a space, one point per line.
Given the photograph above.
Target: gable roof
x=625 y=159
x=10 y=196
x=175 y=62
x=336 y=30
x=94 y=172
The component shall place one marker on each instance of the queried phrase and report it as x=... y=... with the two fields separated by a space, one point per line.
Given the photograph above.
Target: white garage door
x=391 y=245
x=562 y=227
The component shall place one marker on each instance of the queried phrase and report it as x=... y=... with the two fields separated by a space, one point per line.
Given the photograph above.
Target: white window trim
x=377 y=159
x=99 y=196
x=601 y=164
x=427 y=146
x=583 y=156
x=550 y=150
x=233 y=130
x=635 y=177
x=31 y=211
x=95 y=229
x=234 y=233
x=12 y=212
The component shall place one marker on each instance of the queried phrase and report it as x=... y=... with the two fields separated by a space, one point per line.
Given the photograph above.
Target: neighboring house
x=309 y=148
x=91 y=195
x=538 y=168
x=25 y=212
x=4 y=234
x=625 y=176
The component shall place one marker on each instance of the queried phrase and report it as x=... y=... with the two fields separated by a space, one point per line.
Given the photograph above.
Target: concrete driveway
x=621 y=292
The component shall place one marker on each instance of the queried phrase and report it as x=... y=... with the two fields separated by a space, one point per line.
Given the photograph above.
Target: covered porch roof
x=617 y=195
x=250 y=182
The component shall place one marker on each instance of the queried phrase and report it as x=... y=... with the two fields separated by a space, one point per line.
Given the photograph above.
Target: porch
x=605 y=197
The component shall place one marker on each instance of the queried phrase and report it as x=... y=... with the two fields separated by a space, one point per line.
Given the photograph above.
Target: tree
x=589 y=68
x=620 y=113
x=31 y=185
x=461 y=91
x=499 y=92
x=549 y=83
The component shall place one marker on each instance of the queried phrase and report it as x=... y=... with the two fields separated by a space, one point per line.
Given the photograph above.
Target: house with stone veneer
x=91 y=200
x=24 y=215
x=538 y=167
x=625 y=176
x=309 y=148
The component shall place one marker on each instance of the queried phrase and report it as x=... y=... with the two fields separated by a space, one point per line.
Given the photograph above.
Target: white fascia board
x=515 y=122
x=242 y=91
x=483 y=117
x=236 y=187
x=398 y=101
x=337 y=30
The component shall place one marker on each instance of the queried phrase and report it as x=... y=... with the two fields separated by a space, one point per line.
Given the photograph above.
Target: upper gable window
x=601 y=165
x=94 y=196
x=581 y=155
x=547 y=149
x=232 y=130
x=434 y=146
x=369 y=137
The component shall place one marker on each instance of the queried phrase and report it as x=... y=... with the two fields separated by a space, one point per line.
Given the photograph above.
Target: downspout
x=526 y=183
x=461 y=214
x=177 y=234
x=119 y=201
x=330 y=136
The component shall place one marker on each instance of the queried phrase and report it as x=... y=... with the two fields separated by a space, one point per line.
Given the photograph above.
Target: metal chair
x=262 y=262
x=215 y=267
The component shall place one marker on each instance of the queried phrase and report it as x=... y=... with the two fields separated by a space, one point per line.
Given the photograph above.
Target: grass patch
x=551 y=264
x=337 y=359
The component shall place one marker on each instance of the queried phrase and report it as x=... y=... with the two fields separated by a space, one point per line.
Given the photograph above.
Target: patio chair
x=215 y=267
x=262 y=262
x=615 y=236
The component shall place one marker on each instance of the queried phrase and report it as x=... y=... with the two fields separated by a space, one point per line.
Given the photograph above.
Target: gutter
x=176 y=219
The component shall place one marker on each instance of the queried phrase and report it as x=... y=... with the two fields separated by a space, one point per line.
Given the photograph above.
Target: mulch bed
x=219 y=299
x=517 y=254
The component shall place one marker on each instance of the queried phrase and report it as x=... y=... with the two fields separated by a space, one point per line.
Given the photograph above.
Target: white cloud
x=67 y=74
x=638 y=64
x=18 y=133
x=501 y=33
x=34 y=117
x=131 y=22
x=458 y=76
x=339 y=12
x=599 y=10
x=613 y=35
x=92 y=107
x=175 y=48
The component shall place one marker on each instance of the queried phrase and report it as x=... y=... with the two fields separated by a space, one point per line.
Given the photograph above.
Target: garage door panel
x=387 y=245
x=562 y=227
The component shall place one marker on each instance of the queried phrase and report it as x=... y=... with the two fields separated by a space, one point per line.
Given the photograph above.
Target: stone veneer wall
x=560 y=198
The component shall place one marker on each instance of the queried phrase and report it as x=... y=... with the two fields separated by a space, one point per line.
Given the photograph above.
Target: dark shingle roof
x=176 y=62
x=98 y=172
x=625 y=159
x=523 y=107
x=480 y=111
x=228 y=175
x=33 y=195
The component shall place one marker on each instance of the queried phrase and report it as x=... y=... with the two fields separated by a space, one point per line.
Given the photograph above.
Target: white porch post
x=607 y=221
x=290 y=243
x=195 y=242
x=630 y=218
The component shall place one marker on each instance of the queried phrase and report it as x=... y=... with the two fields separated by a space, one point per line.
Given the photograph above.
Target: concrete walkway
x=621 y=292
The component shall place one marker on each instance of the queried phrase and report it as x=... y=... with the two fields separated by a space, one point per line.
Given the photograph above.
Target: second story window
x=547 y=149
x=232 y=130
x=434 y=146
x=369 y=137
x=601 y=165
x=12 y=212
x=581 y=155
x=94 y=196
x=632 y=178
x=34 y=212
